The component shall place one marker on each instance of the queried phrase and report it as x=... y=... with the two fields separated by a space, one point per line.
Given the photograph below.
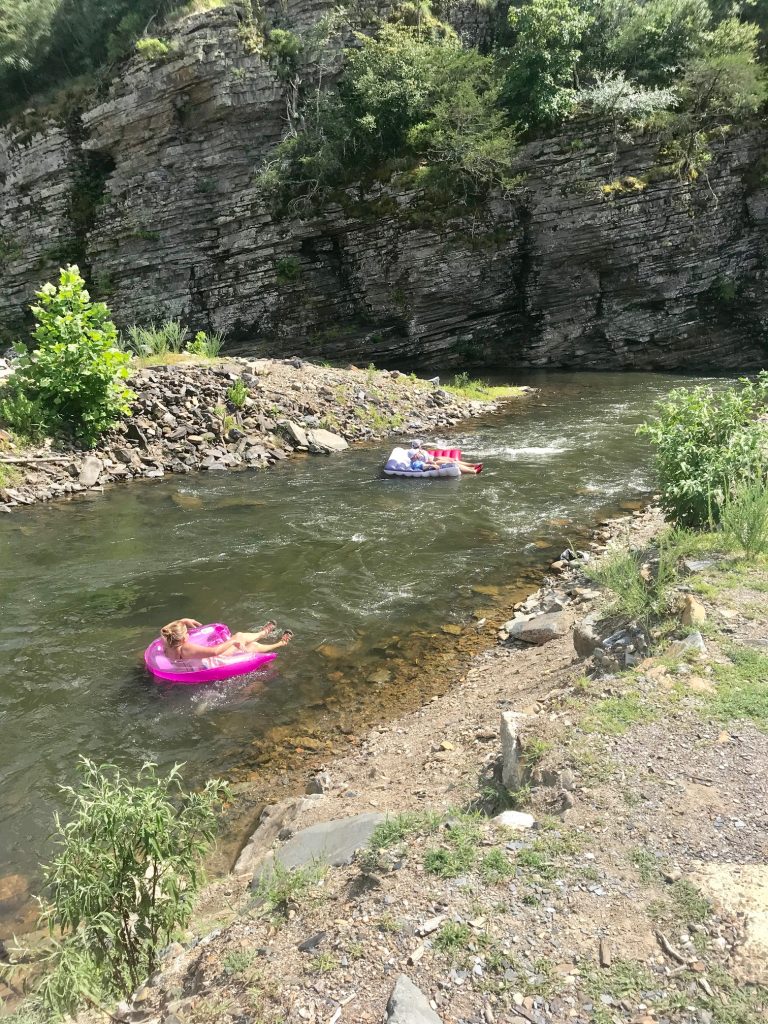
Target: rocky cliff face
x=152 y=189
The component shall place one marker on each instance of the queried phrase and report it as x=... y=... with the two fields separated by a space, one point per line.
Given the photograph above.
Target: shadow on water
x=373 y=576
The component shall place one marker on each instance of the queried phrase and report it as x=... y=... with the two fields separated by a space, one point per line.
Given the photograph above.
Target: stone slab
x=330 y=842
x=326 y=441
x=539 y=630
x=408 y=1005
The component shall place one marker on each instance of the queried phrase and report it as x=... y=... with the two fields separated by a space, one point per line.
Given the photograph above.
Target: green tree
x=124 y=879
x=75 y=376
x=402 y=98
x=652 y=41
x=726 y=78
x=541 y=68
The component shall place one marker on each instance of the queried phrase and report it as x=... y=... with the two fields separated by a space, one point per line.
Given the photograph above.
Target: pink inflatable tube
x=210 y=635
x=449 y=453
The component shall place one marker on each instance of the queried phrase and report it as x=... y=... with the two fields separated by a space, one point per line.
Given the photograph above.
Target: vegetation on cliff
x=414 y=99
x=412 y=95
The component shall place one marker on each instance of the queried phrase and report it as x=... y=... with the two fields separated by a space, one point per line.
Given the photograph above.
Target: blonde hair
x=175 y=633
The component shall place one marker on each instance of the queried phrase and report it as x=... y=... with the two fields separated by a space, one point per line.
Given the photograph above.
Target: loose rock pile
x=184 y=419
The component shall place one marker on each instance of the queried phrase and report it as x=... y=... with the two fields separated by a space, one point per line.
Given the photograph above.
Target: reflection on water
x=363 y=569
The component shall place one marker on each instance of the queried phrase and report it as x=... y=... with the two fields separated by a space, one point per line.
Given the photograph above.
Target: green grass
x=744 y=519
x=453 y=937
x=622 y=980
x=279 y=888
x=684 y=904
x=390 y=923
x=742 y=690
x=640 y=584
x=323 y=963
x=459 y=854
x=646 y=863
x=534 y=750
x=9 y=475
x=537 y=863
x=464 y=386
x=495 y=867
x=614 y=715
x=396 y=830
x=237 y=961
x=449 y=863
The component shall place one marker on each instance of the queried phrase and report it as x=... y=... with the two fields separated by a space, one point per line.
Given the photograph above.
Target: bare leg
x=256 y=648
x=248 y=638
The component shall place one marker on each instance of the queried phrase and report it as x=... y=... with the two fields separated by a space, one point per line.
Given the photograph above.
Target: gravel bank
x=228 y=415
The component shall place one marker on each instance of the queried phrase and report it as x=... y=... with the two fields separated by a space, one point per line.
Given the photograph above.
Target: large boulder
x=274 y=819
x=408 y=1005
x=586 y=636
x=324 y=442
x=540 y=629
x=295 y=434
x=90 y=471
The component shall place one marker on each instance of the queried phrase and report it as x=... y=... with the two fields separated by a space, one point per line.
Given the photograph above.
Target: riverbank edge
x=234 y=414
x=449 y=939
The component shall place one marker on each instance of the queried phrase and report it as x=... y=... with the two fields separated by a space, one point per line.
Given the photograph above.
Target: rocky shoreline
x=232 y=414
x=583 y=907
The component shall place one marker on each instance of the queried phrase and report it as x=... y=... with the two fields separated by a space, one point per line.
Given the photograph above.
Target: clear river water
x=368 y=572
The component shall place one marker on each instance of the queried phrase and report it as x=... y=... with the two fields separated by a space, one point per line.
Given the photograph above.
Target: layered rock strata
x=590 y=261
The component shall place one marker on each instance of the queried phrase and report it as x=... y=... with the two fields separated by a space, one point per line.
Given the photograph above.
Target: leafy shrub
x=237 y=394
x=74 y=377
x=287 y=268
x=28 y=416
x=156 y=341
x=123 y=880
x=206 y=345
x=413 y=96
x=744 y=518
x=708 y=444
x=151 y=48
x=653 y=40
x=615 y=98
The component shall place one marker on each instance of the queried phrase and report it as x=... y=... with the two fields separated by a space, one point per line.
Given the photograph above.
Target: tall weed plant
x=639 y=582
x=206 y=345
x=74 y=378
x=123 y=881
x=744 y=518
x=708 y=444
x=156 y=340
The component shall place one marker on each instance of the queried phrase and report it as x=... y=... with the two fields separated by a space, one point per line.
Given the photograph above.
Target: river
x=364 y=570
